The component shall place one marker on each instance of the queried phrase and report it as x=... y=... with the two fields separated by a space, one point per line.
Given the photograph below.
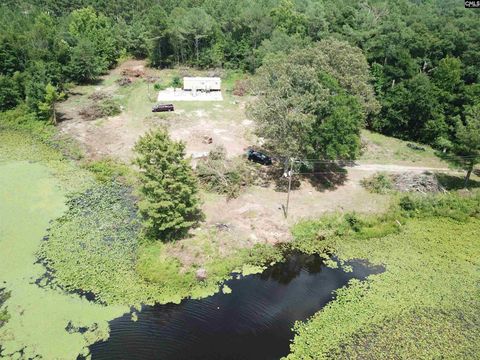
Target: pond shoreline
x=255 y=319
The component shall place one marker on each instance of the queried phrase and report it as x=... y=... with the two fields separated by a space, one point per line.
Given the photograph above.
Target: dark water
x=253 y=322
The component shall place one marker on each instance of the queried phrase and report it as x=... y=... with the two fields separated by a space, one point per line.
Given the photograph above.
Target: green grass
x=107 y=169
x=155 y=265
x=424 y=306
x=379 y=183
x=384 y=149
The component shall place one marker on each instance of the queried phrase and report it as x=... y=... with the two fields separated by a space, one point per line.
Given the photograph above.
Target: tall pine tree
x=170 y=204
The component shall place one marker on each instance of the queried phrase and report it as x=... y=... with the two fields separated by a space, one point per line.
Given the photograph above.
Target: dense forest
x=422 y=55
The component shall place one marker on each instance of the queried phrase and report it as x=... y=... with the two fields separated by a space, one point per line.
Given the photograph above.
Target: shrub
x=451 y=205
x=107 y=170
x=222 y=175
x=241 y=87
x=379 y=183
x=109 y=107
x=103 y=108
x=170 y=203
x=159 y=86
x=176 y=82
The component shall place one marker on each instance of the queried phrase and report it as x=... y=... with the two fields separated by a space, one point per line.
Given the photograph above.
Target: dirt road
x=365 y=166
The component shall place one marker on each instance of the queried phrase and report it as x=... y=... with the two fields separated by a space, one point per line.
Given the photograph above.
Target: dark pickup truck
x=163 y=107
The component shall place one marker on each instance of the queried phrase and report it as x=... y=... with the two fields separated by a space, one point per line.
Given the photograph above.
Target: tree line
x=420 y=77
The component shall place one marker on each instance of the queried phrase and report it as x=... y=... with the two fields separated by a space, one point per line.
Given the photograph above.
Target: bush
x=241 y=87
x=379 y=183
x=222 y=175
x=159 y=86
x=176 y=82
x=452 y=205
x=109 y=107
x=106 y=106
x=107 y=170
x=170 y=203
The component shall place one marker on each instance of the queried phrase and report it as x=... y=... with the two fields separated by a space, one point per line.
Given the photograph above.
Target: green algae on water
x=29 y=198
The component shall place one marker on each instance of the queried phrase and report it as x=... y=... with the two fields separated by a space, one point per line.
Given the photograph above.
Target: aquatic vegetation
x=37 y=134
x=18 y=146
x=93 y=246
x=96 y=247
x=29 y=197
x=250 y=319
x=3 y=313
x=427 y=300
x=106 y=170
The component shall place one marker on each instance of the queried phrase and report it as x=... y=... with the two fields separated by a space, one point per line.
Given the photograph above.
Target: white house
x=202 y=83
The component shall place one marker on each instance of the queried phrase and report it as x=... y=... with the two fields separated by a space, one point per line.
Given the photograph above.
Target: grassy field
x=378 y=148
x=426 y=305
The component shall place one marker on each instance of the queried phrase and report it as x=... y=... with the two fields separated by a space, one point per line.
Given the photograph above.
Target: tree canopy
x=308 y=108
x=467 y=140
x=170 y=203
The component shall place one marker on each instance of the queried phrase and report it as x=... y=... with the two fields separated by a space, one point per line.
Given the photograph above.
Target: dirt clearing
x=223 y=121
x=256 y=215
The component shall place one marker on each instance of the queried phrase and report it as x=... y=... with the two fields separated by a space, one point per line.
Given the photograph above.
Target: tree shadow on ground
x=62 y=116
x=325 y=177
x=455 y=182
x=275 y=174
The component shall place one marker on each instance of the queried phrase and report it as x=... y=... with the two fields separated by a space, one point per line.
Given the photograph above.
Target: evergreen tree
x=170 y=204
x=47 y=107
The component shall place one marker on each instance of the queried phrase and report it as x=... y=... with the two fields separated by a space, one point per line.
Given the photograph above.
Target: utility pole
x=289 y=174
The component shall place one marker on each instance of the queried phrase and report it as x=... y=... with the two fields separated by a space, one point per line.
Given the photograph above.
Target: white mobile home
x=202 y=83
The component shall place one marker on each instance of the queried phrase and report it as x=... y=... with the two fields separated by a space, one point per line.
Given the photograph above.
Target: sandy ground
x=258 y=214
x=115 y=136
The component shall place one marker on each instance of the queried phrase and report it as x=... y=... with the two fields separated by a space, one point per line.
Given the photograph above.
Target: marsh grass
x=425 y=305
x=20 y=121
x=107 y=170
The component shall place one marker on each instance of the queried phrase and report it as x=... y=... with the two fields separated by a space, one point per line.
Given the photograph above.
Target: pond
x=30 y=197
x=254 y=321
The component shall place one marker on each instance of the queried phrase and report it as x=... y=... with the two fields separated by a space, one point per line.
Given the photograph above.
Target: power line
x=347 y=161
